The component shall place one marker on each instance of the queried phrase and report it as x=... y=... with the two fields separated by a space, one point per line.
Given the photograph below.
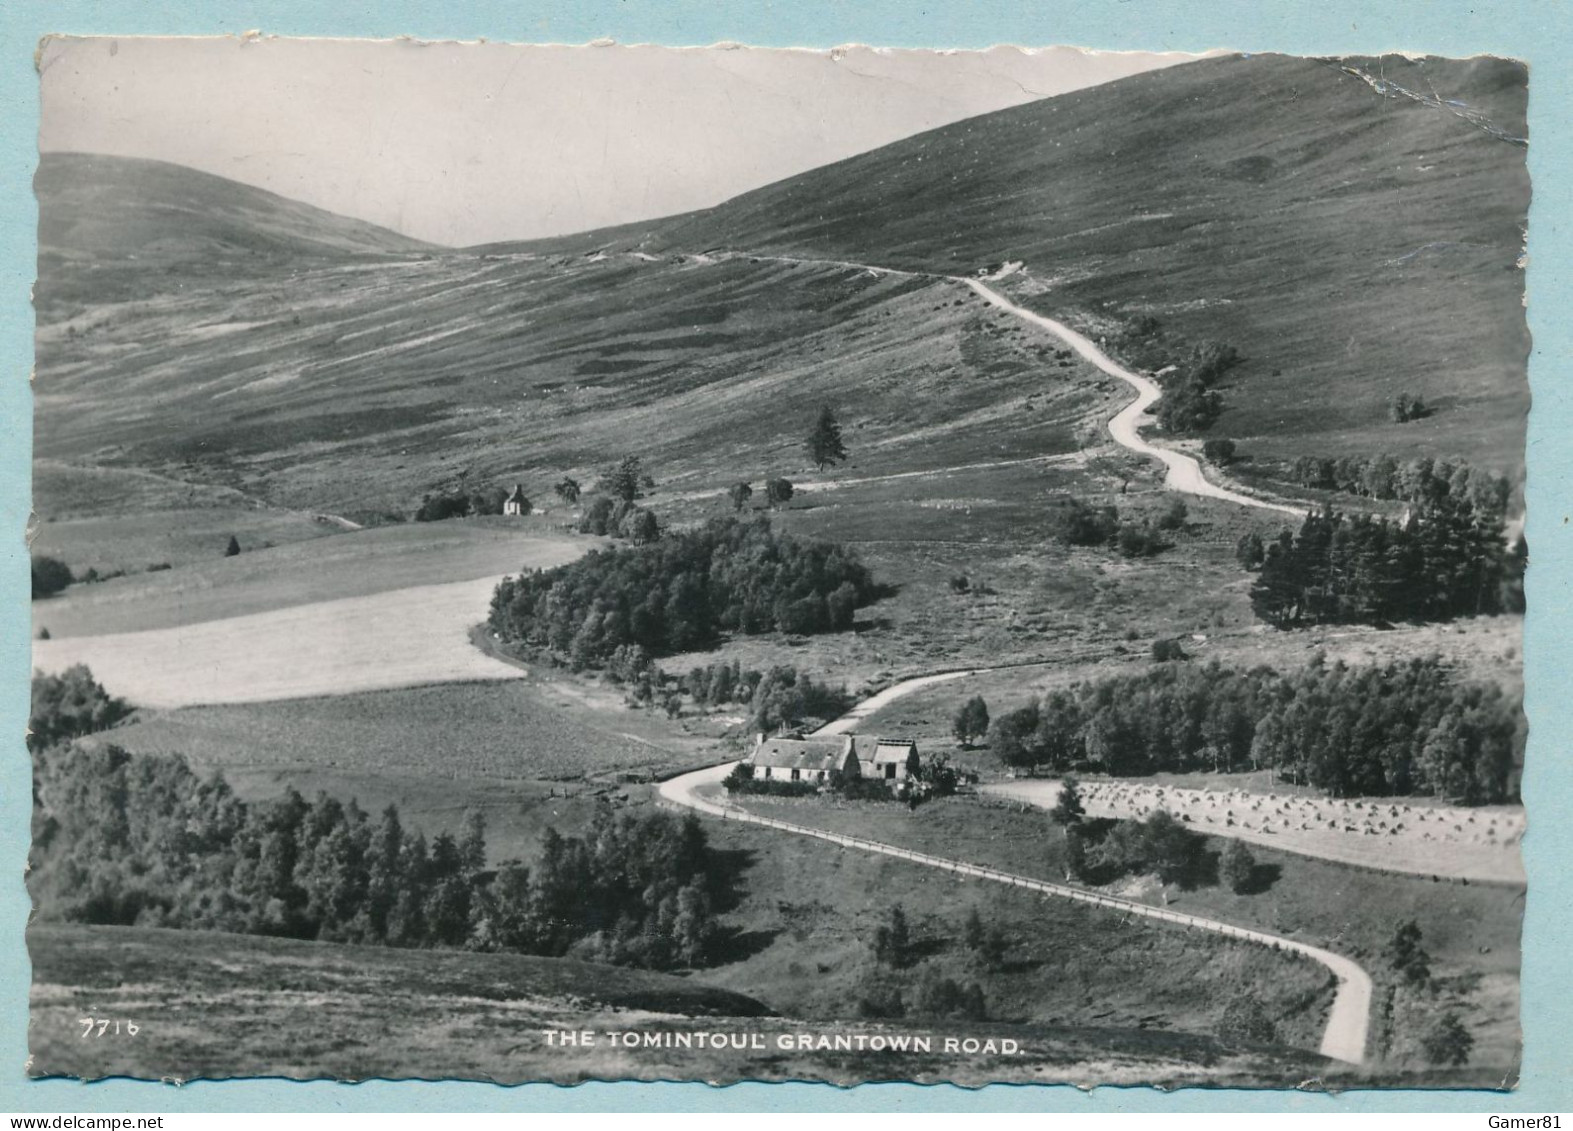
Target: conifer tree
x=824 y=442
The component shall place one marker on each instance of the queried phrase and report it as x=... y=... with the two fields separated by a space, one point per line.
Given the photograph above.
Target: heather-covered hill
x=1352 y=226
x=97 y=205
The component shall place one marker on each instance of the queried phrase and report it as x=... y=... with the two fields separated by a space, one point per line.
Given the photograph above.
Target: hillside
x=309 y=1009
x=212 y=1006
x=94 y=206
x=1350 y=241
x=1345 y=231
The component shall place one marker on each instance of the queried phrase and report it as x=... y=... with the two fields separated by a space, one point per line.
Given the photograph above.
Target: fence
x=1345 y=1037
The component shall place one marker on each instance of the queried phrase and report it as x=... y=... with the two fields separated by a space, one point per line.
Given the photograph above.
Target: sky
x=461 y=144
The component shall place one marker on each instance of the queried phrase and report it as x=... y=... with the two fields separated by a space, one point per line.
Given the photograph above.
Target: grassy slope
x=303 y=1009
x=1471 y=930
x=357 y=387
x=122 y=206
x=1270 y=202
x=214 y=1006
x=527 y=754
x=1362 y=243
x=811 y=910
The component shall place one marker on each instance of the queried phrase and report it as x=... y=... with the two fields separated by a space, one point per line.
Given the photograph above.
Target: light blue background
x=1533 y=30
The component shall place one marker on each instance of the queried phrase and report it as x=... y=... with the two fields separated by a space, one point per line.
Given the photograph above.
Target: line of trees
x=1448 y=560
x=682 y=592
x=1424 y=480
x=140 y=839
x=1398 y=729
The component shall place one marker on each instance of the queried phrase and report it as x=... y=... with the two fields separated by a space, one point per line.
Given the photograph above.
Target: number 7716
x=129 y=1028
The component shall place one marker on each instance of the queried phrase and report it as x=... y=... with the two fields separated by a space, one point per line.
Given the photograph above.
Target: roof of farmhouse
x=801 y=753
x=894 y=750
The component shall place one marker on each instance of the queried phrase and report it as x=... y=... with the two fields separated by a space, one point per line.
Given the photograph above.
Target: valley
x=297 y=384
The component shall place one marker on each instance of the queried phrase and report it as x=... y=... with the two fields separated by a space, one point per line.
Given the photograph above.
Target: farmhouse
x=516 y=503
x=893 y=760
x=803 y=759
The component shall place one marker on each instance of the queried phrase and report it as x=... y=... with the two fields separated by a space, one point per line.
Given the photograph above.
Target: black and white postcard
x=602 y=563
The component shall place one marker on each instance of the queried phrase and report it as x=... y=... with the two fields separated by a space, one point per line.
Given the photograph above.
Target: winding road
x=1183 y=473
x=1346 y=1033
x=1347 y=1023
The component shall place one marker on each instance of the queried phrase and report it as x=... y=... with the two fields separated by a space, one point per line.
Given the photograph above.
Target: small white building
x=516 y=503
x=893 y=760
x=810 y=760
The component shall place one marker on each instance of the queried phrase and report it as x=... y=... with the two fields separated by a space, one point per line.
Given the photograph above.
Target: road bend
x=1347 y=1023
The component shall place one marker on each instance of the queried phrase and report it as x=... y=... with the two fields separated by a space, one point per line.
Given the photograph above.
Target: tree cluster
x=1189 y=402
x=1406 y=407
x=442 y=505
x=624 y=480
x=1406 y=957
x=1423 y=480
x=140 y=839
x=620 y=518
x=1220 y=452
x=1077 y=523
x=1448 y=560
x=682 y=592
x=1158 y=844
x=50 y=576
x=1401 y=729
x=900 y=984
x=70 y=705
x=787 y=698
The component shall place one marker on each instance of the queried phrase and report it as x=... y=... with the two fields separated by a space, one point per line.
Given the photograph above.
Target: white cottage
x=516 y=503
x=810 y=760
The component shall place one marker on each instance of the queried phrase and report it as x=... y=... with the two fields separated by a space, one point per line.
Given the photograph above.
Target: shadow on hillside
x=733 y=944
x=725 y=877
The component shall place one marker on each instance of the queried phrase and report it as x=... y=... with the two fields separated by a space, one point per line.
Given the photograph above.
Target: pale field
x=344 y=565
x=399 y=638
x=1390 y=834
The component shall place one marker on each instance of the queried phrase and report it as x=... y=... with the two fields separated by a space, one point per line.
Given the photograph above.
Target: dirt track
x=1347 y=1023
x=1183 y=473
